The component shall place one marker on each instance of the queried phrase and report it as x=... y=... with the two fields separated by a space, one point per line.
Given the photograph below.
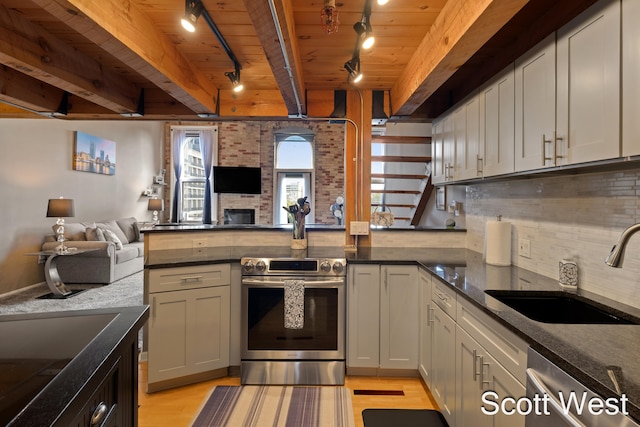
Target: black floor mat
x=403 y=417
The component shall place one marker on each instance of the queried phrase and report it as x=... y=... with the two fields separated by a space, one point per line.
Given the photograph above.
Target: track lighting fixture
x=192 y=11
x=234 y=76
x=365 y=33
x=383 y=2
x=353 y=68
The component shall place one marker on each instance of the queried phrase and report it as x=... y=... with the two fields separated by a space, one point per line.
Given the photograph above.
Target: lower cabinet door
x=444 y=364
x=188 y=332
x=479 y=374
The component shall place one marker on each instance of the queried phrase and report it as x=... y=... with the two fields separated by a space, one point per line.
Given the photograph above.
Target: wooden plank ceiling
x=80 y=59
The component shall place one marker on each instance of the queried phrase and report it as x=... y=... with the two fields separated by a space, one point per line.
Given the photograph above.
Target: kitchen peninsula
x=584 y=351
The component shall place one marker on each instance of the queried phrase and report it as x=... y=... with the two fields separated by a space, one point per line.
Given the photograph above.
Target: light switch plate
x=359 y=228
x=524 y=248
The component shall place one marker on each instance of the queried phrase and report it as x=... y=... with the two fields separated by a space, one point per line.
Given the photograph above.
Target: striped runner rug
x=276 y=406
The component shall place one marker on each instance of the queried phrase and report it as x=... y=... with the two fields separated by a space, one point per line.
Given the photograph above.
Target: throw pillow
x=110 y=236
x=127 y=227
x=136 y=232
x=95 y=234
x=113 y=227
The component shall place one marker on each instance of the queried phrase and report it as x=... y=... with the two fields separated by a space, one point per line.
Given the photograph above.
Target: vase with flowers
x=297 y=213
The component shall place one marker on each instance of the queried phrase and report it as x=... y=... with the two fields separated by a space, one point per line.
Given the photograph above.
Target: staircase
x=401 y=176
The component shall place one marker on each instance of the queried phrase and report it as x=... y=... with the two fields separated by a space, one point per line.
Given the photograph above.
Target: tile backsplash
x=576 y=217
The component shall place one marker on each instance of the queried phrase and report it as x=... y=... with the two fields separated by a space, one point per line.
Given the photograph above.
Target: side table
x=52 y=277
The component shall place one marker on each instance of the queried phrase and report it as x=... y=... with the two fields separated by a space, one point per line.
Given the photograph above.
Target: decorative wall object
x=94 y=154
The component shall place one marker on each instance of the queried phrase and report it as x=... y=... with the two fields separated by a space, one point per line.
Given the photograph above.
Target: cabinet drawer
x=101 y=409
x=444 y=297
x=507 y=348
x=192 y=277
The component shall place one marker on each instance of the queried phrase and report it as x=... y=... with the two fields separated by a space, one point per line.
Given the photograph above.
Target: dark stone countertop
x=76 y=343
x=584 y=351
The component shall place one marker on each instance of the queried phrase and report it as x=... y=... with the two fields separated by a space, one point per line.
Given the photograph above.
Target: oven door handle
x=540 y=387
x=307 y=283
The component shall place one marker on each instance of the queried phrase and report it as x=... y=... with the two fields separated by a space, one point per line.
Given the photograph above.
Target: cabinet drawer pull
x=430 y=319
x=98 y=414
x=482 y=365
x=442 y=297
x=191 y=279
x=476 y=374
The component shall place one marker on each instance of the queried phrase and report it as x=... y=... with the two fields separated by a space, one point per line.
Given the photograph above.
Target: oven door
x=264 y=336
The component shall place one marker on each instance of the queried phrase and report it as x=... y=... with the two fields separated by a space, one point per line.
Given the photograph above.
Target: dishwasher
x=545 y=379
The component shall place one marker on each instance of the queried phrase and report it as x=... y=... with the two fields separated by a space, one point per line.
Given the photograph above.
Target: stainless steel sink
x=561 y=307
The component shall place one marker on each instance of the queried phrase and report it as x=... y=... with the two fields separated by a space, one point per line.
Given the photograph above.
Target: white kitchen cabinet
x=437 y=152
x=459 y=124
x=443 y=367
x=363 y=316
x=630 y=81
x=466 y=134
x=188 y=327
x=448 y=147
x=382 y=317
x=399 y=317
x=426 y=328
x=477 y=372
x=588 y=85
x=497 y=125
x=535 y=106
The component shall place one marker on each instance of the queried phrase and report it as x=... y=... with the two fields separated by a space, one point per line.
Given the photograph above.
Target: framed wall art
x=94 y=154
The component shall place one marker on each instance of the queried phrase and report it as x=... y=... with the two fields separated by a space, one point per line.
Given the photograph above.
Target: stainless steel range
x=293 y=321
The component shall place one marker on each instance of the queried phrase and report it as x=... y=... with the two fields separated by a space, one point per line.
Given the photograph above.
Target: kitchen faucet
x=616 y=257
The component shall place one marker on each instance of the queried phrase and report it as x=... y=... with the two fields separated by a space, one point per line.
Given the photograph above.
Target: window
x=293 y=172
x=192 y=158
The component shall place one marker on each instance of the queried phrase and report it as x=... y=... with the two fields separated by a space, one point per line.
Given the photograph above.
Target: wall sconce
x=61 y=208
x=155 y=205
x=193 y=10
x=353 y=67
x=234 y=76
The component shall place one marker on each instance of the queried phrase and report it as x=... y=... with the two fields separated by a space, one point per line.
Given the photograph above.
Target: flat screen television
x=237 y=179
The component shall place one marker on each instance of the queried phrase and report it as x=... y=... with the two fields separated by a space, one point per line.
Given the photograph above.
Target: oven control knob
x=248 y=267
x=325 y=266
x=338 y=267
x=261 y=266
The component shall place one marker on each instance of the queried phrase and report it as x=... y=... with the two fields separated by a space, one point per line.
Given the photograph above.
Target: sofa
x=119 y=251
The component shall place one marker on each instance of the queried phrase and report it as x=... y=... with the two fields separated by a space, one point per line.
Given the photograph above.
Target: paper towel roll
x=498 y=243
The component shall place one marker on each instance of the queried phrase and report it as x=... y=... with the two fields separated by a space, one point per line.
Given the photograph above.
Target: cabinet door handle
x=430 y=319
x=556 y=156
x=482 y=365
x=191 y=279
x=98 y=414
x=476 y=374
x=479 y=165
x=546 y=141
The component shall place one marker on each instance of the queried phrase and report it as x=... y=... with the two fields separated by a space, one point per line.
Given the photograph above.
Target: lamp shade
x=156 y=205
x=61 y=208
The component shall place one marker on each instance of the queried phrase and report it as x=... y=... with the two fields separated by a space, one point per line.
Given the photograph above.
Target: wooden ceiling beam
x=26 y=92
x=458 y=33
x=33 y=51
x=123 y=30
x=288 y=75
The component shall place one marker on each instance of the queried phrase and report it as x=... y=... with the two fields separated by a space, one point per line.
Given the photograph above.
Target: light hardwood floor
x=177 y=407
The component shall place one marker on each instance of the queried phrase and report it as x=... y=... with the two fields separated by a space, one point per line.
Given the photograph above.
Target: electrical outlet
x=524 y=248
x=359 y=228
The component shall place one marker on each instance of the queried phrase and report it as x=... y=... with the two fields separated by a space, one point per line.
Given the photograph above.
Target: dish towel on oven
x=294 y=304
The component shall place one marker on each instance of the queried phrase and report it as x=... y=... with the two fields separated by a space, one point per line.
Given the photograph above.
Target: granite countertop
x=584 y=351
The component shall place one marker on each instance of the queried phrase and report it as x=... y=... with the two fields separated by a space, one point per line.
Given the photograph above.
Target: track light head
x=365 y=33
x=192 y=11
x=383 y=2
x=353 y=68
x=234 y=76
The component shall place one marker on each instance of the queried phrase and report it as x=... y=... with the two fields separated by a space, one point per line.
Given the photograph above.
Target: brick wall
x=251 y=143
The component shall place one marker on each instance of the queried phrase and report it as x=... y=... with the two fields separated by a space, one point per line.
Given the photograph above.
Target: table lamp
x=156 y=205
x=61 y=208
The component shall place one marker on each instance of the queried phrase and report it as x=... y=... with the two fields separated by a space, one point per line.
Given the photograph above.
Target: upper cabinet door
x=588 y=97
x=630 y=80
x=497 y=132
x=437 y=152
x=535 y=85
